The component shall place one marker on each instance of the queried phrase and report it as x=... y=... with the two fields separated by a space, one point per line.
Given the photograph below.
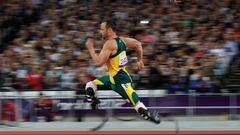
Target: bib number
x=123 y=61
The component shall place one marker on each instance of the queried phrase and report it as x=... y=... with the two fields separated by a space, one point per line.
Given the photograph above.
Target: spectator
x=35 y=78
x=199 y=82
x=154 y=76
x=67 y=79
x=176 y=86
x=44 y=107
x=8 y=111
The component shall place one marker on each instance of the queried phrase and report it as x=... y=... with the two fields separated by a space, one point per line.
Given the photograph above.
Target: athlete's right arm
x=103 y=56
x=137 y=46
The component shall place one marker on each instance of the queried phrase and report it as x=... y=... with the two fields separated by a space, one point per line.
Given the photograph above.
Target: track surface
x=124 y=128
x=210 y=132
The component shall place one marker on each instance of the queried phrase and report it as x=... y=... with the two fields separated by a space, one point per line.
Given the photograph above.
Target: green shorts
x=124 y=89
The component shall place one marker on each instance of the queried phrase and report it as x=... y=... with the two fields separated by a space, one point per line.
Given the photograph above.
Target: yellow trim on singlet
x=113 y=66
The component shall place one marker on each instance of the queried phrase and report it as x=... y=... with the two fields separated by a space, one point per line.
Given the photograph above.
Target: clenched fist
x=89 y=43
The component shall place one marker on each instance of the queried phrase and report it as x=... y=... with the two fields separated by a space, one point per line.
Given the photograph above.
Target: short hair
x=111 y=23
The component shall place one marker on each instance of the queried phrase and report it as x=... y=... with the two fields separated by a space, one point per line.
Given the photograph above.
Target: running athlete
x=113 y=54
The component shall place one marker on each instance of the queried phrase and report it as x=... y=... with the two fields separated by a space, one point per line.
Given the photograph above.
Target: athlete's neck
x=112 y=35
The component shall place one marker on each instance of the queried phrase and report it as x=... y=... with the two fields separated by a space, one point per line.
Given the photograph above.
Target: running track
x=124 y=128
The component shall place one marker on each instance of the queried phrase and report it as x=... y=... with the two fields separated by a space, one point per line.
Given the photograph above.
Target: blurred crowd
x=187 y=46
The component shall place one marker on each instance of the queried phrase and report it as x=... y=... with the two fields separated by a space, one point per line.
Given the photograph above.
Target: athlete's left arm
x=137 y=46
x=103 y=56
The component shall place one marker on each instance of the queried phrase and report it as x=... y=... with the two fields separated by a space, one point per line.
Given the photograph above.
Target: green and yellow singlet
x=116 y=65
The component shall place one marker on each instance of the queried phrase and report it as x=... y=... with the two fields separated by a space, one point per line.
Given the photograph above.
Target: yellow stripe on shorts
x=98 y=82
x=129 y=90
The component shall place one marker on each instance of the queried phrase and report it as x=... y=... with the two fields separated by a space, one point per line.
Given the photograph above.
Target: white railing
x=70 y=95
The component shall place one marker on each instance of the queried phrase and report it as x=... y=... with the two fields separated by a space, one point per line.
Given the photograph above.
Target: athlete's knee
x=91 y=88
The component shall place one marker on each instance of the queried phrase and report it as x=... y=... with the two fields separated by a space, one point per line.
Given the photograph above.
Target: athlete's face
x=103 y=30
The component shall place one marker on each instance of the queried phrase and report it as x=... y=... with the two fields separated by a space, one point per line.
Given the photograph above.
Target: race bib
x=123 y=60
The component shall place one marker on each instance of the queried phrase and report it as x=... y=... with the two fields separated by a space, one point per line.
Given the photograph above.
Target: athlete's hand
x=89 y=43
x=139 y=65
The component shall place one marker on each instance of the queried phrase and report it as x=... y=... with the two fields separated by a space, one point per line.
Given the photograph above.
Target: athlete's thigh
x=127 y=92
x=103 y=82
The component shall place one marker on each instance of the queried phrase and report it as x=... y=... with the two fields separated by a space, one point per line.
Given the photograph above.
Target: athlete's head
x=107 y=28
